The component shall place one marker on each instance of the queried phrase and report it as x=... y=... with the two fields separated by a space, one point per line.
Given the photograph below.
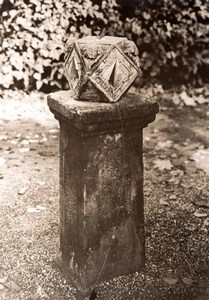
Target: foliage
x=172 y=38
x=34 y=36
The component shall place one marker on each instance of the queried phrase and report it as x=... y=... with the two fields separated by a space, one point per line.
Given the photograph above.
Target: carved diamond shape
x=114 y=75
x=73 y=69
x=101 y=69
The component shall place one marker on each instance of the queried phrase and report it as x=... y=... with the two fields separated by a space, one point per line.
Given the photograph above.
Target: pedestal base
x=101 y=187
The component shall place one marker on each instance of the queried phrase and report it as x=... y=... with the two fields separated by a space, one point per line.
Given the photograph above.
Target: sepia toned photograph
x=104 y=150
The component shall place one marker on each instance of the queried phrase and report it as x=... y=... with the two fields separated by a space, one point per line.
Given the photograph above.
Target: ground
x=176 y=189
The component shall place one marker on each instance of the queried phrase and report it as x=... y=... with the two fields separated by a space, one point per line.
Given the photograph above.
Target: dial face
x=110 y=68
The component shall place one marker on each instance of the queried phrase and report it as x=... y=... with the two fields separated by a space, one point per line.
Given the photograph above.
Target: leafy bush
x=34 y=37
x=172 y=37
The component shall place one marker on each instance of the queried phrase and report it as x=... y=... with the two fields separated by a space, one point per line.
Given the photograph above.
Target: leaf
x=175 y=99
x=188 y=101
x=6 y=80
x=146 y=15
x=168 y=26
x=42 y=141
x=173 y=197
x=163 y=202
x=23 y=150
x=201 y=202
x=39 y=68
x=36 y=209
x=199 y=91
x=32 y=210
x=192 y=146
x=40 y=207
x=200 y=215
x=2 y=161
x=3 y=279
x=47 y=62
x=3 y=137
x=201 y=157
x=24 y=142
x=41 y=182
x=18 y=75
x=162 y=164
x=191 y=228
x=201 y=99
x=177 y=172
x=6 y=69
x=170 y=280
x=37 y=76
x=53 y=130
x=187 y=280
x=11 y=285
x=39 y=84
x=46 y=153
x=166 y=144
x=206 y=222
x=41 y=293
x=22 y=191
x=17 y=61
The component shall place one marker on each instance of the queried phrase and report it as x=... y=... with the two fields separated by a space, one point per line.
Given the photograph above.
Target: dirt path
x=176 y=229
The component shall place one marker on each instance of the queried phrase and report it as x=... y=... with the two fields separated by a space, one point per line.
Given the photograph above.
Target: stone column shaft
x=101 y=186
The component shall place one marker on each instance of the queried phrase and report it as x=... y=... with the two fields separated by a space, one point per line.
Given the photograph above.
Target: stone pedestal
x=101 y=186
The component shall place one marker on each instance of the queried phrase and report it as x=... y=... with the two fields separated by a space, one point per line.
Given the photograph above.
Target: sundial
x=101 y=162
x=101 y=69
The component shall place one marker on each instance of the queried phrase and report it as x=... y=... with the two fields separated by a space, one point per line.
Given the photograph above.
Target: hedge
x=172 y=38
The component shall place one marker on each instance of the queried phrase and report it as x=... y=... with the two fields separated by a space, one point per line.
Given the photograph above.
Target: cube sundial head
x=101 y=69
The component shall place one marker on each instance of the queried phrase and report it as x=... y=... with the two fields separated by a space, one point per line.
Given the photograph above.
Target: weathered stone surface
x=101 y=69
x=101 y=186
x=88 y=118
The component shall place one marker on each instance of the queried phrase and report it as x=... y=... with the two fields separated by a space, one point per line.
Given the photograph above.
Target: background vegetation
x=172 y=38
